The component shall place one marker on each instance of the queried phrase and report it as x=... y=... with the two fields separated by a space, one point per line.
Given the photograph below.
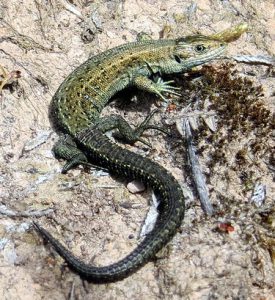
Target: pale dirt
x=95 y=216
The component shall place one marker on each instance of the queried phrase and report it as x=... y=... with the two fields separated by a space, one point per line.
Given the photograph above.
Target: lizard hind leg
x=129 y=135
x=145 y=126
x=66 y=148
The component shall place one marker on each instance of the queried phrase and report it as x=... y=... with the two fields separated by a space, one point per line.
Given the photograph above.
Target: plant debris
x=4 y=211
x=7 y=78
x=259 y=194
x=240 y=112
x=231 y=34
x=197 y=175
x=255 y=59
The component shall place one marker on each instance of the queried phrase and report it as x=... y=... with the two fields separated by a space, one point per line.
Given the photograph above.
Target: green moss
x=244 y=123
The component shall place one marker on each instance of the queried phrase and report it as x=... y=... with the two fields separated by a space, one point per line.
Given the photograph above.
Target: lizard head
x=195 y=50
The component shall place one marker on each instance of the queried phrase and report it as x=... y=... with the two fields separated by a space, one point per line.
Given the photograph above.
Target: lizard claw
x=143 y=141
x=164 y=86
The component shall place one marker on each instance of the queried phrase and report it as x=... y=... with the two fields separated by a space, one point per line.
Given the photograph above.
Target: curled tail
x=122 y=162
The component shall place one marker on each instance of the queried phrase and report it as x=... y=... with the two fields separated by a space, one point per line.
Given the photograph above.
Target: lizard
x=75 y=114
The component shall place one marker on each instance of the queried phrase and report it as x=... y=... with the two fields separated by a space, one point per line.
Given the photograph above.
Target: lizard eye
x=200 y=48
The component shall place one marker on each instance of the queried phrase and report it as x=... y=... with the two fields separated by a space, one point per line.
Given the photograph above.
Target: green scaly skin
x=75 y=112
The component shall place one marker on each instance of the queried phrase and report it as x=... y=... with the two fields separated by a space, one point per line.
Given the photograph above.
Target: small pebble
x=135 y=186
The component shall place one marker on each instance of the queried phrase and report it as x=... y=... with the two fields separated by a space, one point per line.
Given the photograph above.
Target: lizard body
x=75 y=111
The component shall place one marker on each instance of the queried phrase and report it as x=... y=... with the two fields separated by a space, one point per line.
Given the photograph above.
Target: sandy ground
x=228 y=256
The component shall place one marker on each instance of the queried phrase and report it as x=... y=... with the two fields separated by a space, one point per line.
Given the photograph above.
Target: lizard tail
x=122 y=162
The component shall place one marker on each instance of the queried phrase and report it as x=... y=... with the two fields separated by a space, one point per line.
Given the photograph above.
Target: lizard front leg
x=157 y=87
